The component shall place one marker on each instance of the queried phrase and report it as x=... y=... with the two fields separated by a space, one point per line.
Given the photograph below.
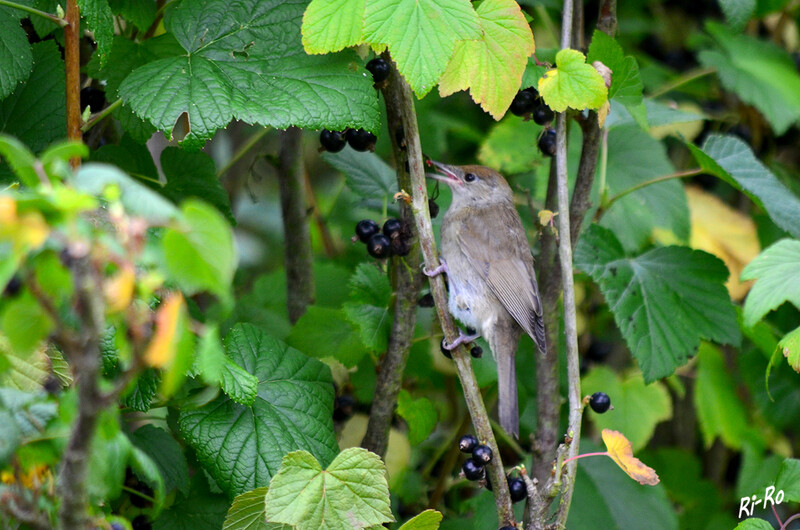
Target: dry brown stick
x=298 y=257
x=72 y=63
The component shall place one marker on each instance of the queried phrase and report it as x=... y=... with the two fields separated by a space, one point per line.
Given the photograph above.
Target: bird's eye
x=470 y=177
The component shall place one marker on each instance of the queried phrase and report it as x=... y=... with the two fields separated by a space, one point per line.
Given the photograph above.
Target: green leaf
x=790 y=347
x=22 y=371
x=427 y=520
x=638 y=408
x=16 y=59
x=634 y=157
x=199 y=255
x=216 y=368
x=626 y=84
x=245 y=60
x=510 y=146
x=144 y=390
x=351 y=493
x=199 y=510
x=491 y=67
x=658 y=114
x=753 y=523
x=664 y=301
x=141 y=13
x=194 y=175
x=241 y=447
x=325 y=332
x=248 y=512
x=167 y=454
x=20 y=158
x=36 y=111
x=759 y=72
x=420 y=415
x=148 y=471
x=777 y=274
x=9 y=436
x=788 y=480
x=137 y=199
x=720 y=411
x=332 y=25
x=737 y=12
x=25 y=324
x=108 y=457
x=27 y=415
x=732 y=160
x=366 y=173
x=573 y=83
x=422 y=54
x=368 y=308
x=533 y=72
x=100 y=20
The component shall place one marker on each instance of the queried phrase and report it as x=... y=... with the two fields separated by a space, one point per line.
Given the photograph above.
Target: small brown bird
x=490 y=273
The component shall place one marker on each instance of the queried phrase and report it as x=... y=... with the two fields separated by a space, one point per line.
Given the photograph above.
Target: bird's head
x=473 y=185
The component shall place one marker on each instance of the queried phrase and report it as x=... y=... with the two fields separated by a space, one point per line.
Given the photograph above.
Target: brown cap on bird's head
x=476 y=183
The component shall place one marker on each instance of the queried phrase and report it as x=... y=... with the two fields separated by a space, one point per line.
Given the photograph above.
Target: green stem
x=603 y=165
x=678 y=175
x=139 y=494
x=49 y=16
x=688 y=77
x=243 y=150
x=97 y=117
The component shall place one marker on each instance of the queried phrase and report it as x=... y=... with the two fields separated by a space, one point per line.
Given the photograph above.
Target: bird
x=489 y=266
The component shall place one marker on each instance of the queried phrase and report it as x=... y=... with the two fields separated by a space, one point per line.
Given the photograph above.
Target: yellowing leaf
x=728 y=234
x=163 y=345
x=619 y=449
x=573 y=84
x=8 y=210
x=119 y=289
x=330 y=25
x=790 y=347
x=492 y=66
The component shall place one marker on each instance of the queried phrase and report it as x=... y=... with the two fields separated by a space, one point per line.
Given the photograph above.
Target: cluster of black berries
x=359 y=139
x=474 y=468
x=600 y=402
x=393 y=240
x=527 y=102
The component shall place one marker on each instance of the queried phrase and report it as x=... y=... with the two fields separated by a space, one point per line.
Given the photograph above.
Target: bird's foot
x=462 y=339
x=437 y=271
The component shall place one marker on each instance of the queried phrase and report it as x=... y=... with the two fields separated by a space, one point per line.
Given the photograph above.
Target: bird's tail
x=504 y=347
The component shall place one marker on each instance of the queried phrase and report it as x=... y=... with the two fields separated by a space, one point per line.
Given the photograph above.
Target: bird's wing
x=493 y=241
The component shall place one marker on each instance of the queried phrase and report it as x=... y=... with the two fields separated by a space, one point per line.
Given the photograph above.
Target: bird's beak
x=451 y=175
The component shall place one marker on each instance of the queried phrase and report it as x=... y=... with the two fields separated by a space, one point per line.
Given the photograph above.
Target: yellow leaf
x=619 y=449
x=8 y=210
x=163 y=345
x=119 y=289
x=728 y=234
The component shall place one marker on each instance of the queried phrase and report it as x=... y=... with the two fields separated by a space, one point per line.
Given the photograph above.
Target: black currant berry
x=467 y=443
x=379 y=69
x=517 y=489
x=400 y=246
x=366 y=229
x=476 y=352
x=343 y=407
x=13 y=286
x=426 y=300
x=445 y=351
x=543 y=115
x=392 y=227
x=92 y=97
x=600 y=402
x=360 y=140
x=472 y=470
x=332 y=141
x=547 y=142
x=532 y=91
x=523 y=103
x=482 y=455
x=433 y=208
x=379 y=246
x=141 y=522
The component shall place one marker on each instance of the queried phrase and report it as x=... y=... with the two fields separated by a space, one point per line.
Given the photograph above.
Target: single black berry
x=472 y=470
x=471 y=330
x=433 y=208
x=445 y=351
x=543 y=114
x=523 y=103
x=392 y=227
x=482 y=455
x=467 y=443
x=379 y=246
x=92 y=97
x=366 y=229
x=547 y=142
x=476 y=352
x=343 y=407
x=517 y=489
x=141 y=522
x=426 y=300
x=532 y=91
x=360 y=140
x=600 y=402
x=13 y=286
x=332 y=141
x=379 y=69
x=400 y=246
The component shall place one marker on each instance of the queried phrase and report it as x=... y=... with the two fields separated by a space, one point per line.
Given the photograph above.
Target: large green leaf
x=366 y=173
x=245 y=60
x=351 y=493
x=100 y=20
x=141 y=13
x=368 y=307
x=777 y=274
x=216 y=368
x=626 y=84
x=248 y=512
x=573 y=84
x=732 y=160
x=16 y=59
x=194 y=175
x=421 y=35
x=788 y=480
x=427 y=520
x=759 y=72
x=241 y=447
x=753 y=523
x=167 y=455
x=664 y=301
x=24 y=323
x=720 y=411
x=420 y=415
x=332 y=25
x=638 y=408
x=199 y=510
x=737 y=12
x=326 y=332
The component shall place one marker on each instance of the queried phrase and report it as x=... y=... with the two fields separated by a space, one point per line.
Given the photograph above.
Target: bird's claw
x=435 y=272
x=462 y=339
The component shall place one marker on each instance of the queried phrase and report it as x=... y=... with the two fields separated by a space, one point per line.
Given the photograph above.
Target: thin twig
x=688 y=77
x=96 y=118
x=49 y=16
x=677 y=175
x=243 y=150
x=72 y=63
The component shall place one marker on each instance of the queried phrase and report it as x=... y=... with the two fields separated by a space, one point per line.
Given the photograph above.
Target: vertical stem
x=72 y=61
x=407 y=281
x=296 y=236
